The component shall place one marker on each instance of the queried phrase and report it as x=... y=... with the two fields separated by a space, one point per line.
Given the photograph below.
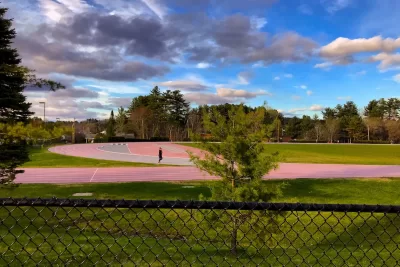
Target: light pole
x=73 y=132
x=44 y=111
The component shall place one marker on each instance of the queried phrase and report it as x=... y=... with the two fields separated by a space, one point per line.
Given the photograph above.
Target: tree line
x=167 y=114
x=379 y=121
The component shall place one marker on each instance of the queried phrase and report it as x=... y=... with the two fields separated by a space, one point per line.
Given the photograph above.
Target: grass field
x=42 y=158
x=334 y=153
x=183 y=237
x=347 y=191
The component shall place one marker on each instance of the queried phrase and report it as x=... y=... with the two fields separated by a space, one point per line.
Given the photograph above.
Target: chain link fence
x=59 y=232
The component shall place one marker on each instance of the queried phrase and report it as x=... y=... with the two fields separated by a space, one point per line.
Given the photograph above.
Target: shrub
x=116 y=139
x=159 y=139
x=371 y=142
x=308 y=141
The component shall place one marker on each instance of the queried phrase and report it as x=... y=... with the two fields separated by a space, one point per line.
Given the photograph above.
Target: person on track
x=160 y=155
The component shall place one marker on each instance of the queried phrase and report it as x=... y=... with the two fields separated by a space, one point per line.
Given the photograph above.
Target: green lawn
x=137 y=237
x=42 y=158
x=334 y=154
x=353 y=191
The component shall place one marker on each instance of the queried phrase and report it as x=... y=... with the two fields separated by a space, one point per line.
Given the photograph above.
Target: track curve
x=175 y=154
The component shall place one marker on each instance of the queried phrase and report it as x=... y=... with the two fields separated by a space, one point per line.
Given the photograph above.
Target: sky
x=298 y=55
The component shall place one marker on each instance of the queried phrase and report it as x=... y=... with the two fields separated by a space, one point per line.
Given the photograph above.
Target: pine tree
x=13 y=107
x=121 y=120
x=14 y=78
x=110 y=131
x=241 y=159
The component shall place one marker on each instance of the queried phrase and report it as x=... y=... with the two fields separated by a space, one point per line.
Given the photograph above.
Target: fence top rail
x=177 y=204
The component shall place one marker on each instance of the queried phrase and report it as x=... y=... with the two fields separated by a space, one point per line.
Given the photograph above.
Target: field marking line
x=93 y=175
x=127 y=145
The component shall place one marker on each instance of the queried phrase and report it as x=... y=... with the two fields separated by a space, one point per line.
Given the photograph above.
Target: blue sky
x=299 y=55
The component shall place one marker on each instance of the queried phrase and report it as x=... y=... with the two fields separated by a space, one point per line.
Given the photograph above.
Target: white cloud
x=387 y=60
x=295 y=110
x=78 y=103
x=52 y=10
x=258 y=23
x=228 y=92
x=258 y=65
x=245 y=77
x=223 y=95
x=184 y=85
x=324 y=65
x=296 y=97
x=115 y=87
x=154 y=5
x=309 y=92
x=203 y=65
x=316 y=108
x=342 y=47
x=396 y=78
x=301 y=86
x=286 y=75
x=57 y=10
x=311 y=108
x=76 y=6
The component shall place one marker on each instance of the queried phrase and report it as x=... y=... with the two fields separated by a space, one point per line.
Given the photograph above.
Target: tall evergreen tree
x=14 y=78
x=241 y=160
x=110 y=131
x=13 y=106
x=121 y=120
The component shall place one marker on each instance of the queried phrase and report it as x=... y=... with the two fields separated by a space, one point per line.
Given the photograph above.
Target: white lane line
x=130 y=152
x=93 y=175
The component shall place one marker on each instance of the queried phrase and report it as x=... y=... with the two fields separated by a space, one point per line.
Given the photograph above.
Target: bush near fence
x=123 y=139
x=378 y=142
x=50 y=232
x=308 y=141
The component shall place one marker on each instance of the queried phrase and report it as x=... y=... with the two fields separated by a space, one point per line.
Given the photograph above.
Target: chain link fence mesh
x=57 y=232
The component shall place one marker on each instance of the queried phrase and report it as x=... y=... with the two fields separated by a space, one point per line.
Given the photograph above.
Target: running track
x=286 y=171
x=177 y=155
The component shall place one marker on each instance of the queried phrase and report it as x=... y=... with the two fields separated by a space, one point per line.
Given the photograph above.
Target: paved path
x=286 y=171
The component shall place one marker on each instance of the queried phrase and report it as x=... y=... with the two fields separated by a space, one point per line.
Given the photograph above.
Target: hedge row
x=354 y=142
x=371 y=142
x=123 y=139
x=308 y=141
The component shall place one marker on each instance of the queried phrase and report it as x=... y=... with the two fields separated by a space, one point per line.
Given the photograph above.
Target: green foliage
x=121 y=120
x=14 y=110
x=110 y=131
x=241 y=160
x=294 y=128
x=159 y=114
x=383 y=108
x=13 y=151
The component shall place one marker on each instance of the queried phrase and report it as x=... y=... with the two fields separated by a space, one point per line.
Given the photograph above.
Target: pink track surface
x=175 y=154
x=286 y=171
